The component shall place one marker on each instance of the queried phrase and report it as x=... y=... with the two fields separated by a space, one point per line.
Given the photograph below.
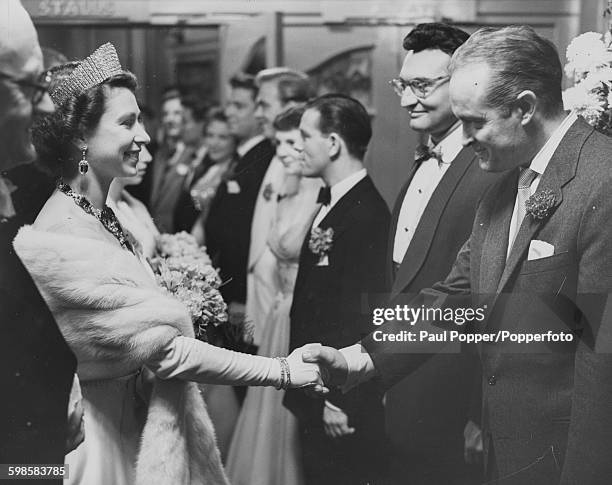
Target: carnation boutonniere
x=539 y=205
x=320 y=243
x=268 y=192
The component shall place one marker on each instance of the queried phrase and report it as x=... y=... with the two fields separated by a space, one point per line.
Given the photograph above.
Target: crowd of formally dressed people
x=504 y=208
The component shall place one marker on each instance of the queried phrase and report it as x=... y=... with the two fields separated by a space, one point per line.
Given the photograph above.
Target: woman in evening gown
x=145 y=422
x=265 y=444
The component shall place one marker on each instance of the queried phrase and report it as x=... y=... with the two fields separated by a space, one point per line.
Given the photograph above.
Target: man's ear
x=526 y=104
x=335 y=145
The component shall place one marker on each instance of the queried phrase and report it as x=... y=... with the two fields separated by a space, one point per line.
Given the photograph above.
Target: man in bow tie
x=341 y=273
x=432 y=218
x=538 y=265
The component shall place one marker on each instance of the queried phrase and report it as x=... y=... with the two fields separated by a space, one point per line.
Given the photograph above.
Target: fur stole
x=115 y=318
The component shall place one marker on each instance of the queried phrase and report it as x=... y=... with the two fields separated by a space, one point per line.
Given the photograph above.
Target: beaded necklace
x=106 y=216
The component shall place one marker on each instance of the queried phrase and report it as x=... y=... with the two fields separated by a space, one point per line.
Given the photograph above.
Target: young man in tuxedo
x=228 y=226
x=36 y=365
x=537 y=261
x=432 y=218
x=340 y=276
x=280 y=88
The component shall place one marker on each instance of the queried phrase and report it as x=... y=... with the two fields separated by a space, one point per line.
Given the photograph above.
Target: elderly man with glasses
x=432 y=219
x=36 y=366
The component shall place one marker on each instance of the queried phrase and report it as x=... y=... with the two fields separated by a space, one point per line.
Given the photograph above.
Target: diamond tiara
x=97 y=68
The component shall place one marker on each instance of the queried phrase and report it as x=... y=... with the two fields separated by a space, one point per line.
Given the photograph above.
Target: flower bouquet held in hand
x=589 y=67
x=184 y=270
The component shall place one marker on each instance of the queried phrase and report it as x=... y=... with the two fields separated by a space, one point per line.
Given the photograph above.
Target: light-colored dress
x=265 y=445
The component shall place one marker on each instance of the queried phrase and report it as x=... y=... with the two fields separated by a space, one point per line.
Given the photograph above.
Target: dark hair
x=216 y=113
x=347 y=117
x=435 y=35
x=289 y=119
x=198 y=109
x=519 y=60
x=170 y=92
x=244 y=81
x=292 y=85
x=53 y=135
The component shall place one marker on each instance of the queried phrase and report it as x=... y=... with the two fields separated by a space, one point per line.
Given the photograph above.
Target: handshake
x=317 y=368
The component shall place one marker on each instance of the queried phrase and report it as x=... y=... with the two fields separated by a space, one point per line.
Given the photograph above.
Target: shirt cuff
x=360 y=366
x=332 y=407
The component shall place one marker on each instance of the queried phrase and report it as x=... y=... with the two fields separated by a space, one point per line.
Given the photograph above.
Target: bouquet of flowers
x=589 y=66
x=184 y=269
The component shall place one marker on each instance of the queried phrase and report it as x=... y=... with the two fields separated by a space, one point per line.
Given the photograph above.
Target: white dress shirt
x=360 y=365
x=422 y=186
x=339 y=190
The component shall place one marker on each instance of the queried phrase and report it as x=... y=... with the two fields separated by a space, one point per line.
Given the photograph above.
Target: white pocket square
x=539 y=250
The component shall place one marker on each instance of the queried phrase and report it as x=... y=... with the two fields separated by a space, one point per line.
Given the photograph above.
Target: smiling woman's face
x=113 y=146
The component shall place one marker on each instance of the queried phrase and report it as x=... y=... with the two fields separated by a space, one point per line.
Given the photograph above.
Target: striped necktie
x=526 y=178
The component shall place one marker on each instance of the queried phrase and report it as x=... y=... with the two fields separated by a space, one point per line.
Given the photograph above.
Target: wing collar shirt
x=338 y=191
x=360 y=365
x=422 y=186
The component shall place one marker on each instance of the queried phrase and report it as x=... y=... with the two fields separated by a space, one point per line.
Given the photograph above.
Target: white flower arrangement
x=183 y=269
x=589 y=66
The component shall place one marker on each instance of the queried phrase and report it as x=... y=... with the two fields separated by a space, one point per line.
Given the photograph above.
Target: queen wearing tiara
x=118 y=322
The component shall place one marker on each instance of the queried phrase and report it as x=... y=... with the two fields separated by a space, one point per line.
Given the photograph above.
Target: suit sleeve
x=363 y=290
x=587 y=458
x=394 y=360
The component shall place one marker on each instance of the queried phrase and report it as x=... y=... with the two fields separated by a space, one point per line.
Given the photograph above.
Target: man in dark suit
x=537 y=264
x=432 y=218
x=228 y=226
x=37 y=367
x=338 y=281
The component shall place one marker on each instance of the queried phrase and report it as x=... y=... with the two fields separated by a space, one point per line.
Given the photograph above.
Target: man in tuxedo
x=537 y=264
x=280 y=88
x=169 y=161
x=340 y=276
x=228 y=226
x=37 y=367
x=432 y=218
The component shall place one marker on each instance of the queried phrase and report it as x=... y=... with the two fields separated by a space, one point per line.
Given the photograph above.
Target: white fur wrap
x=115 y=318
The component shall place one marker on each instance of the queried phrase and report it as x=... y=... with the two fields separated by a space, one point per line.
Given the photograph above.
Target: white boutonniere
x=233 y=187
x=320 y=244
x=182 y=169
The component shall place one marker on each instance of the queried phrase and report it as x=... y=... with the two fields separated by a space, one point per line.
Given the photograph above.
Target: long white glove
x=193 y=360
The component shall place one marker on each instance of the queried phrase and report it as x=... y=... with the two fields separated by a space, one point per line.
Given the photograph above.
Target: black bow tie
x=424 y=152
x=324 y=196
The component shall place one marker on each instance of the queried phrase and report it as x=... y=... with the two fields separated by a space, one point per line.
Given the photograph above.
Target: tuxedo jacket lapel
x=336 y=216
x=421 y=242
x=334 y=219
x=393 y=228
